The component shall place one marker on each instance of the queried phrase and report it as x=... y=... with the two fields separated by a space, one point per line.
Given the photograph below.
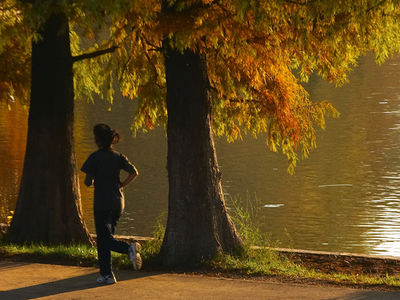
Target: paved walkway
x=44 y=281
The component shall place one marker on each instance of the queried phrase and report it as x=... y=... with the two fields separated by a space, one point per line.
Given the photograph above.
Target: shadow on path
x=72 y=284
x=22 y=281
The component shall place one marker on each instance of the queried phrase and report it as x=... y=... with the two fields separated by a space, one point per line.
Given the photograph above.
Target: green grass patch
x=151 y=249
x=267 y=262
x=80 y=255
x=74 y=255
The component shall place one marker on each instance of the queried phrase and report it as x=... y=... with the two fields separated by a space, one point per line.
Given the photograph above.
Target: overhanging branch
x=94 y=54
x=301 y=3
x=378 y=4
x=27 y=1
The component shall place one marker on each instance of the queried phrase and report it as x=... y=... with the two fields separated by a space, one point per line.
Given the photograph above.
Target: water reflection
x=13 y=128
x=345 y=197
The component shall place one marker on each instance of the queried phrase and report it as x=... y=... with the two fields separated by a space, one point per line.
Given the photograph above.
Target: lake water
x=344 y=197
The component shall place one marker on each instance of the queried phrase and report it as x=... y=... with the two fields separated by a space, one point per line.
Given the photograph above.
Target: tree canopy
x=258 y=53
x=15 y=51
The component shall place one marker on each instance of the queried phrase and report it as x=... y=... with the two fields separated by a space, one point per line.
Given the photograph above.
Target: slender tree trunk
x=198 y=223
x=48 y=207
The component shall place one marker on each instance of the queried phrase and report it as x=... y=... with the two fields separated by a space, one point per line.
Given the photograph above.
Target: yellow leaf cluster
x=15 y=48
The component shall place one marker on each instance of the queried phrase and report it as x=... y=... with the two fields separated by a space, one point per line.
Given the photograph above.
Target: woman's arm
x=88 y=180
x=129 y=179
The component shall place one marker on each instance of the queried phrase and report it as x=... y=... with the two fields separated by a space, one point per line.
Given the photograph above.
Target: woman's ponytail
x=105 y=136
x=115 y=136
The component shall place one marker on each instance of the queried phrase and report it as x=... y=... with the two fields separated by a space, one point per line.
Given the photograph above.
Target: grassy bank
x=268 y=263
x=73 y=255
x=252 y=263
x=264 y=261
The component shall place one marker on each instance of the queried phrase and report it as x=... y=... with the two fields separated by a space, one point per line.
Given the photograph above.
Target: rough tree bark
x=48 y=208
x=198 y=223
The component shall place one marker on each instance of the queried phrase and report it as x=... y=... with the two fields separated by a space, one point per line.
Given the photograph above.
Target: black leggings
x=105 y=222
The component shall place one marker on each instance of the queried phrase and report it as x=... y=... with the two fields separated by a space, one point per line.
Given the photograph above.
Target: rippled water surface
x=344 y=197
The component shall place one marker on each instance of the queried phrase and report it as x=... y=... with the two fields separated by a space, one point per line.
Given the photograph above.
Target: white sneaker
x=107 y=279
x=134 y=255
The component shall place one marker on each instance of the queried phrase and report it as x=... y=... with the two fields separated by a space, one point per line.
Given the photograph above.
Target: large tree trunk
x=48 y=209
x=198 y=223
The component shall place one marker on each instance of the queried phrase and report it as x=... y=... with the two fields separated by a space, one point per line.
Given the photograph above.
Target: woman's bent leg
x=106 y=222
x=114 y=244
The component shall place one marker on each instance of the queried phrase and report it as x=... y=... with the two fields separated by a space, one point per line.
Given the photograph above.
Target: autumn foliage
x=258 y=53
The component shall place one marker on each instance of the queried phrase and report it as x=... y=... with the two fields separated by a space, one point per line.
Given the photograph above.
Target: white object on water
x=339 y=184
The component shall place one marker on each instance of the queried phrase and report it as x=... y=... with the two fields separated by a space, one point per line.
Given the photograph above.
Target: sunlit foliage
x=15 y=50
x=258 y=53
